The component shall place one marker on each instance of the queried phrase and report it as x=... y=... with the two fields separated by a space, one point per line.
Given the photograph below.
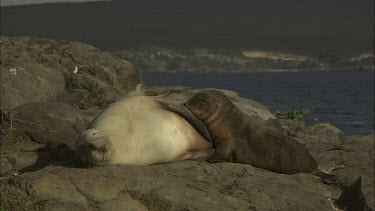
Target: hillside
x=325 y=29
x=207 y=60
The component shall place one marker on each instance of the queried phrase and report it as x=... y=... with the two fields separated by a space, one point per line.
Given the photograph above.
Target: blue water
x=344 y=99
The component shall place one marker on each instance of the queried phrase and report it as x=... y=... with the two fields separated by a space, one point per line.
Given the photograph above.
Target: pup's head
x=204 y=104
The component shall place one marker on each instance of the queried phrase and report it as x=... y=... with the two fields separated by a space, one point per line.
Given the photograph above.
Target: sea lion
x=237 y=139
x=143 y=130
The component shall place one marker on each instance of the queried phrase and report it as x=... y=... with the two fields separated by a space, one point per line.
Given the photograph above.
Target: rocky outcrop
x=250 y=107
x=256 y=111
x=50 y=123
x=359 y=195
x=39 y=170
x=51 y=178
x=38 y=70
x=187 y=185
x=51 y=175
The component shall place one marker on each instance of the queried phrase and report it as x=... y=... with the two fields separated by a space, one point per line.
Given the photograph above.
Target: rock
x=186 y=185
x=325 y=142
x=356 y=159
x=259 y=113
x=113 y=70
x=37 y=70
x=28 y=82
x=326 y=132
x=360 y=139
x=77 y=97
x=18 y=143
x=250 y=107
x=39 y=131
x=17 y=152
x=91 y=113
x=6 y=165
x=18 y=161
x=13 y=198
x=358 y=196
x=49 y=177
x=100 y=93
x=50 y=123
x=292 y=127
x=349 y=160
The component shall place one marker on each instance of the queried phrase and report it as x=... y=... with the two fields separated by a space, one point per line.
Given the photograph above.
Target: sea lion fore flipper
x=223 y=153
x=188 y=116
x=199 y=155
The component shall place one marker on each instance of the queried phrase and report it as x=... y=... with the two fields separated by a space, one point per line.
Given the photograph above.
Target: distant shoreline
x=208 y=60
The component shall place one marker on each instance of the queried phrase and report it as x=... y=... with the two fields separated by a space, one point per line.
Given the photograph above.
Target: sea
x=344 y=99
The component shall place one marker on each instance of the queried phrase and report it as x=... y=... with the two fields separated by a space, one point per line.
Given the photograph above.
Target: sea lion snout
x=92 y=148
x=202 y=105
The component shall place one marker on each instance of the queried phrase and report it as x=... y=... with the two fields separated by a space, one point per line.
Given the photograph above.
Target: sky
x=20 y=2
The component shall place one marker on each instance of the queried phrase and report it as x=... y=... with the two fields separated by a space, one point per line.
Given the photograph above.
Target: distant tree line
x=328 y=30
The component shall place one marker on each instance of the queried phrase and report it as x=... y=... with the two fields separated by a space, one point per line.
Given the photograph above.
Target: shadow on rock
x=62 y=155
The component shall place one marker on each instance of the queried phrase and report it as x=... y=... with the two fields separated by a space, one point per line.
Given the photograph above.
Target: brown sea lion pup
x=237 y=139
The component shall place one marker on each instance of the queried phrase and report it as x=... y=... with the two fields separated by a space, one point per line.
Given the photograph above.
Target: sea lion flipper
x=201 y=155
x=223 y=153
x=188 y=116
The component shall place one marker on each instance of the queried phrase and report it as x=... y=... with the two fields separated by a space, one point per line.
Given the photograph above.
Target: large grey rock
x=37 y=70
x=325 y=132
x=113 y=70
x=250 y=107
x=186 y=185
x=349 y=158
x=325 y=142
x=355 y=158
x=20 y=153
x=17 y=161
x=358 y=196
x=100 y=93
x=259 y=113
x=52 y=123
x=13 y=198
x=78 y=97
x=18 y=143
x=24 y=80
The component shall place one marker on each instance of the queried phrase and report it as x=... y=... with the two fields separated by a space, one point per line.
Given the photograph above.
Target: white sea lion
x=143 y=130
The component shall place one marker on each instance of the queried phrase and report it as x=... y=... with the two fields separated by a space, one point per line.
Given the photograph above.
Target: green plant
x=338 y=147
x=150 y=92
x=297 y=115
x=279 y=115
x=341 y=148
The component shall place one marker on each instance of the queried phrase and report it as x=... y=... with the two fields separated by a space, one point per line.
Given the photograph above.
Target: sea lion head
x=206 y=103
x=93 y=148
